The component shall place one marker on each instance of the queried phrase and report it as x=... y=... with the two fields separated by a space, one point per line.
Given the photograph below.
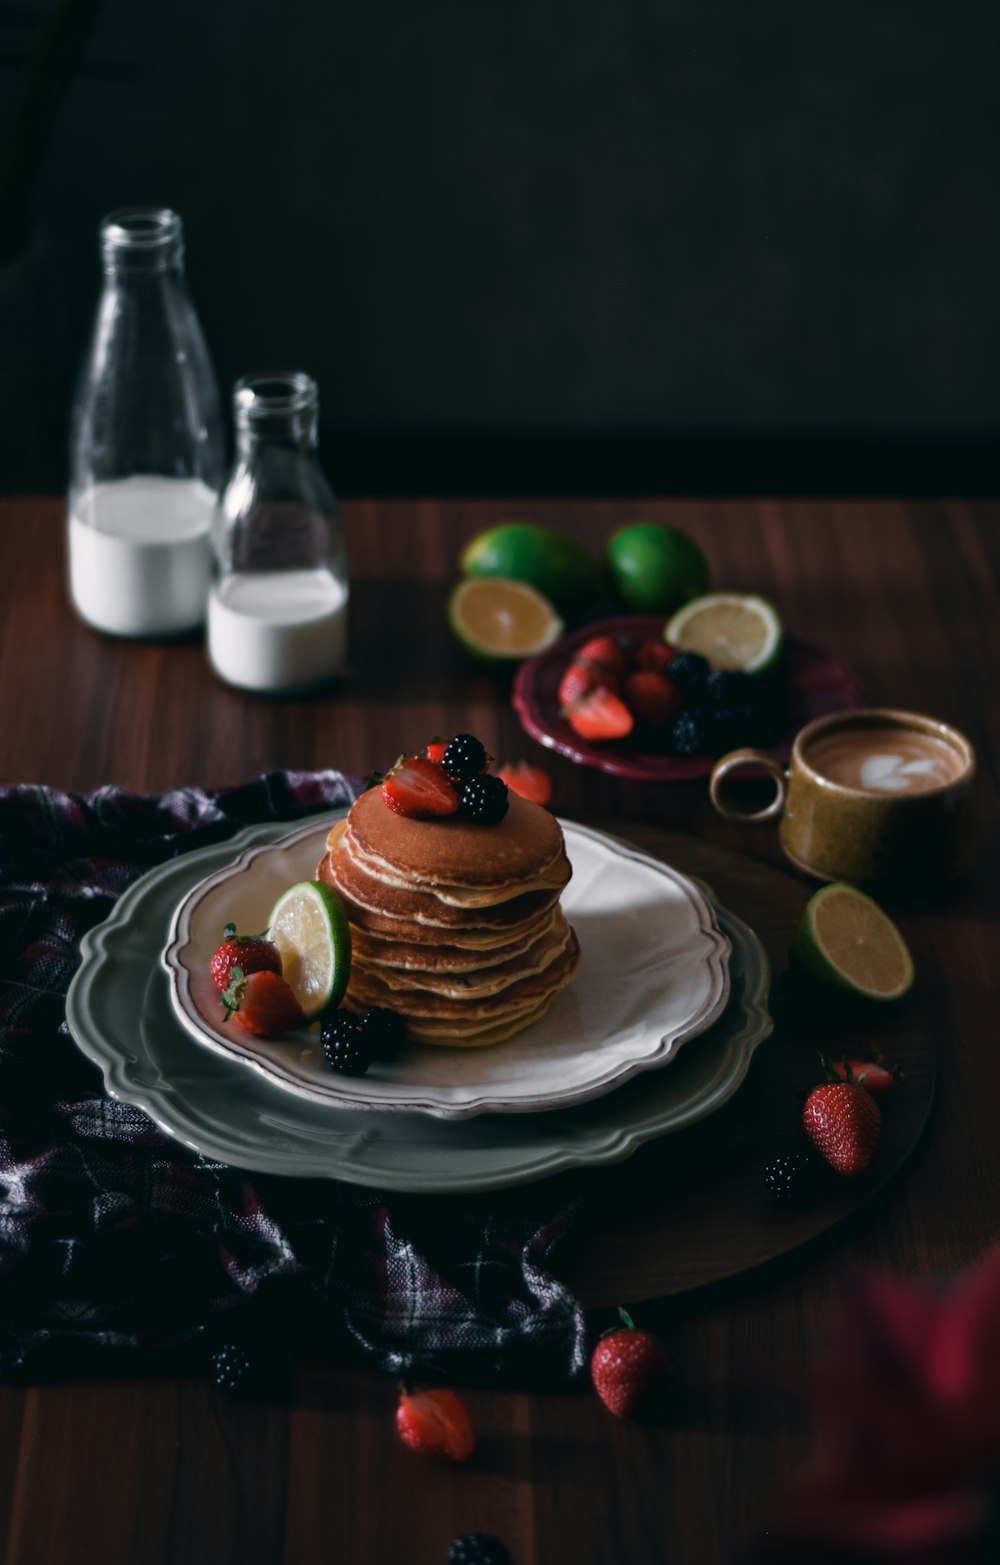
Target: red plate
x=816 y=682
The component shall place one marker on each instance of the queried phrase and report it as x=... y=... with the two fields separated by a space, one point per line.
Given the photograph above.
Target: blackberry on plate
x=792 y=1179
x=484 y=800
x=479 y=1548
x=464 y=757
x=727 y=687
x=691 y=735
x=384 y=1031
x=344 y=1046
x=688 y=671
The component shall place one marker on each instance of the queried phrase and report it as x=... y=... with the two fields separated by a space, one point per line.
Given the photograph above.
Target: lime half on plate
x=309 y=926
x=731 y=629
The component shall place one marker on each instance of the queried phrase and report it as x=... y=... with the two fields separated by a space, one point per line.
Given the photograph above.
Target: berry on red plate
x=601 y=715
x=435 y=1423
x=420 y=788
x=843 y=1122
x=652 y=697
x=578 y=680
x=603 y=653
x=252 y=953
x=630 y=1369
x=653 y=657
x=263 y=1003
x=527 y=780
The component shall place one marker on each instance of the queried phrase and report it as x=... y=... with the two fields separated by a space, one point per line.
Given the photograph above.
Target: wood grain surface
x=168 y=1469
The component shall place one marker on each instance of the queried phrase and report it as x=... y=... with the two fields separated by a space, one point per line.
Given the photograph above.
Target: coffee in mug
x=881 y=798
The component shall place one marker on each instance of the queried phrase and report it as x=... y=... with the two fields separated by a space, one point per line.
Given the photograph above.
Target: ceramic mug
x=873 y=796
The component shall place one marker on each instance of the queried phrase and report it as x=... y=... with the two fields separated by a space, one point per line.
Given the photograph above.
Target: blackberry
x=479 y=1548
x=346 y=1050
x=690 y=734
x=726 y=687
x=688 y=671
x=384 y=1031
x=233 y=1369
x=793 y=1179
x=484 y=800
x=464 y=757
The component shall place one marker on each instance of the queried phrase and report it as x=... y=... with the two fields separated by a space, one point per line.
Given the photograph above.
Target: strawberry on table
x=527 y=780
x=652 y=697
x=420 y=788
x=435 y=1423
x=630 y=1369
x=601 y=715
x=843 y=1122
x=263 y=1003
x=252 y=953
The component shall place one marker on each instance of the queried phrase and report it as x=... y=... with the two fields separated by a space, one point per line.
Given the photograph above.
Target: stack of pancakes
x=454 y=925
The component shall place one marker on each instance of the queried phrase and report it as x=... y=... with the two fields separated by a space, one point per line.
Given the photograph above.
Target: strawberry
x=435 y=750
x=578 y=680
x=653 y=657
x=601 y=715
x=420 y=788
x=653 y=697
x=435 y=1423
x=603 y=653
x=529 y=781
x=630 y=1369
x=252 y=953
x=842 y=1121
x=263 y=1003
x=874 y=1075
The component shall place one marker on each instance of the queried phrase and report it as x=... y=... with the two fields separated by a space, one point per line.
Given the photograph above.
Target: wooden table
x=165 y=1470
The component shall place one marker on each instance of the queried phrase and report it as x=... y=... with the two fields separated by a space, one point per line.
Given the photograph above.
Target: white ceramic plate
x=119 y=1012
x=653 y=973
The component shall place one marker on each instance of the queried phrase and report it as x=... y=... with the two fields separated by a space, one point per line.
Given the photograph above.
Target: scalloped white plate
x=119 y=1013
x=653 y=974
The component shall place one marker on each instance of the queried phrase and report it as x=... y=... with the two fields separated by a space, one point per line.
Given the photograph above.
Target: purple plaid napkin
x=114 y=1235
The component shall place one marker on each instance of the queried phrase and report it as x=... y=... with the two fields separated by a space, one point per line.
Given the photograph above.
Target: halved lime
x=730 y=629
x=846 y=940
x=309 y=926
x=496 y=618
x=555 y=564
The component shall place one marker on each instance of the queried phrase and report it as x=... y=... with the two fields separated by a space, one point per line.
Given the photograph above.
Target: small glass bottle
x=147 y=452
x=277 y=612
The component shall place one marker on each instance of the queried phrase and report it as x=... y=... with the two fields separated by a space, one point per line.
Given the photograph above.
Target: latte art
x=885 y=760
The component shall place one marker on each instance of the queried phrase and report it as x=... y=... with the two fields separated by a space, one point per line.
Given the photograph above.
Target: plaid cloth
x=114 y=1235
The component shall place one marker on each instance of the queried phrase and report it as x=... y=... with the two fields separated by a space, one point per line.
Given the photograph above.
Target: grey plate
x=119 y=1012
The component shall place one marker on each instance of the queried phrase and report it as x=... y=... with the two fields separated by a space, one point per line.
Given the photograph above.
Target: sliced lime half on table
x=496 y=618
x=844 y=939
x=309 y=926
x=734 y=630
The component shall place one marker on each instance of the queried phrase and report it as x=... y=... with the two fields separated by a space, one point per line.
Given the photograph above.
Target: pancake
x=419 y=1004
x=371 y=903
x=477 y=982
x=396 y=952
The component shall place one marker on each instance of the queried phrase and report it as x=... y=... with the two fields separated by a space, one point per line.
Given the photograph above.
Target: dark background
x=636 y=245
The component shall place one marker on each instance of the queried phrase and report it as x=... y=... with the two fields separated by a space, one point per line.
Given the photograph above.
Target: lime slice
x=846 y=940
x=553 y=563
x=309 y=926
x=497 y=618
x=655 y=568
x=730 y=629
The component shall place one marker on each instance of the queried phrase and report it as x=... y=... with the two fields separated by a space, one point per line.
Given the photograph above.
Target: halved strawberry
x=435 y=750
x=436 y=1423
x=601 y=715
x=602 y=652
x=263 y=1003
x=578 y=679
x=874 y=1075
x=652 y=696
x=527 y=780
x=420 y=788
x=653 y=657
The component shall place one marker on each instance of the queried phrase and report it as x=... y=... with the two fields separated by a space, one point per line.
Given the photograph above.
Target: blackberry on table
x=689 y=671
x=345 y=1047
x=792 y=1178
x=464 y=757
x=479 y=1548
x=484 y=800
x=384 y=1030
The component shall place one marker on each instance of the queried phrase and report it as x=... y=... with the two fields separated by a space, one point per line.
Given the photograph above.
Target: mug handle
x=733 y=762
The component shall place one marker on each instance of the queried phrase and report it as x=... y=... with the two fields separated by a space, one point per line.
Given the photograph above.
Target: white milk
x=277 y=630
x=140 y=555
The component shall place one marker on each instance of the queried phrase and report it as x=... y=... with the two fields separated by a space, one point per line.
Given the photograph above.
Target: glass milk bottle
x=146 y=447
x=277 y=612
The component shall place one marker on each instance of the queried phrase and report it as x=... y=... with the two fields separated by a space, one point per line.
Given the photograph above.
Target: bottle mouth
x=147 y=236
x=274 y=395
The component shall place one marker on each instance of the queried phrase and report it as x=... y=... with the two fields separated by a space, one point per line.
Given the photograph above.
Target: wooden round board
x=692 y=1210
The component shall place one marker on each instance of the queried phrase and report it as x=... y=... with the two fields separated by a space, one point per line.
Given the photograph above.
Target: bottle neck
x=276 y=410
x=138 y=241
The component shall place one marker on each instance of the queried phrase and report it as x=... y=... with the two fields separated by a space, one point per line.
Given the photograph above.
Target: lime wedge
x=844 y=939
x=309 y=926
x=730 y=629
x=494 y=617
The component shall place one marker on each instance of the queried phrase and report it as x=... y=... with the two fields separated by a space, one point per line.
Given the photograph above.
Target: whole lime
x=558 y=567
x=655 y=568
